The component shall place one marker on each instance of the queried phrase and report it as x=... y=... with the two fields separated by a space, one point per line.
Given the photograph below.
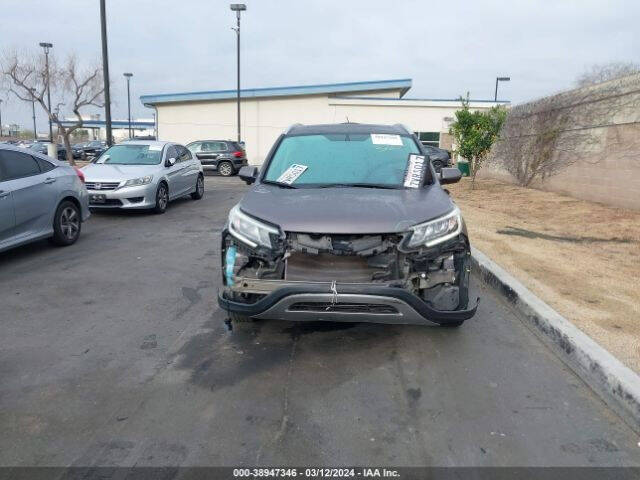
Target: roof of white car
x=146 y=142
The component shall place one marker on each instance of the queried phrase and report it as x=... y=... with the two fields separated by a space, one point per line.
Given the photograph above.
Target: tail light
x=80 y=174
x=238 y=154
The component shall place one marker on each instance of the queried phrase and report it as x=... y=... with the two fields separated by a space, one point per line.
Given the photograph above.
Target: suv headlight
x=436 y=231
x=249 y=230
x=134 y=182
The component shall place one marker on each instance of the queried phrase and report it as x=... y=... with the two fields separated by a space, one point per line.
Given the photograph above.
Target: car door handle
x=3 y=194
x=49 y=180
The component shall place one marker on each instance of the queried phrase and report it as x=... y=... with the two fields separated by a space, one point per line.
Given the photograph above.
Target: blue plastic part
x=229 y=262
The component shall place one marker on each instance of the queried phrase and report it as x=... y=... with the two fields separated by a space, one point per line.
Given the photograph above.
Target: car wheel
x=162 y=198
x=437 y=165
x=199 y=193
x=453 y=324
x=66 y=224
x=225 y=169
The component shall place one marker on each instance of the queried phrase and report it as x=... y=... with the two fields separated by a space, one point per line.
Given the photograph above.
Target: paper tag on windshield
x=416 y=168
x=155 y=148
x=291 y=174
x=385 y=139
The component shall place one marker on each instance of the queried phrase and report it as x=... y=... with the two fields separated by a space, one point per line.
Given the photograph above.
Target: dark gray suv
x=347 y=223
x=225 y=156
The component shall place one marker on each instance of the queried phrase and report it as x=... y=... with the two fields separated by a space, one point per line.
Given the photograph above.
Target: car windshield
x=341 y=159
x=132 y=155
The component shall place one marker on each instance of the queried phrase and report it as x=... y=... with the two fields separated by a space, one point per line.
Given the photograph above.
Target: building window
x=429 y=138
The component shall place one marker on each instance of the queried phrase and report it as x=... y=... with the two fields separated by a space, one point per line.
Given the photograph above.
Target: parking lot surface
x=114 y=352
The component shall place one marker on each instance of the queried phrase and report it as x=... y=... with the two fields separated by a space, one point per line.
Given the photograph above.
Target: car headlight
x=436 y=231
x=249 y=230
x=134 y=182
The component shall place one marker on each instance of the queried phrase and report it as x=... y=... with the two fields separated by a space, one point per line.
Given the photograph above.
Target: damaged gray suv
x=347 y=223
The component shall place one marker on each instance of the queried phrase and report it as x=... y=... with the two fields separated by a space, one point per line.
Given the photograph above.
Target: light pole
x=105 y=71
x=47 y=46
x=238 y=7
x=500 y=79
x=33 y=111
x=128 y=77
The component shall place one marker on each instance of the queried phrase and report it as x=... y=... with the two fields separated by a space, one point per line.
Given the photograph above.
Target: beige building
x=267 y=112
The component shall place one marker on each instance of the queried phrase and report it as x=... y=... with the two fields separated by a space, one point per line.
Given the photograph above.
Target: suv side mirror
x=248 y=174
x=450 y=175
x=170 y=162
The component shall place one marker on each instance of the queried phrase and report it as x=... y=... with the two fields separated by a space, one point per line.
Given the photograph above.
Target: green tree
x=475 y=133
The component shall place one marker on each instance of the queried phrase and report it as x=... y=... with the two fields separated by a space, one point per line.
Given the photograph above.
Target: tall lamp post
x=47 y=46
x=500 y=79
x=105 y=71
x=238 y=7
x=128 y=77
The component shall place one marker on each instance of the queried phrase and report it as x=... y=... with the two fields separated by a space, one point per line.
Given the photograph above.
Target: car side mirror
x=248 y=174
x=170 y=162
x=450 y=175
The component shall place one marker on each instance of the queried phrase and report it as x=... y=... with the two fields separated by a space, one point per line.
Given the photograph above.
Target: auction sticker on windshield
x=414 y=174
x=385 y=139
x=155 y=148
x=291 y=174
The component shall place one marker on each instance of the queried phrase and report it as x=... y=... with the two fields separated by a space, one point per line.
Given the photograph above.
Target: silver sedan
x=143 y=174
x=39 y=198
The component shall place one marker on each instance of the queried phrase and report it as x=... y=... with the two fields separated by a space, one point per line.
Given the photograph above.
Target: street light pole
x=105 y=71
x=238 y=7
x=46 y=46
x=499 y=79
x=128 y=77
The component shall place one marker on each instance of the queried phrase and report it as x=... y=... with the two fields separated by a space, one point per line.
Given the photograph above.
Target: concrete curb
x=616 y=384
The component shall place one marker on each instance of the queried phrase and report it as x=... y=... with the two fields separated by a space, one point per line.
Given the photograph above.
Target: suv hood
x=345 y=210
x=111 y=173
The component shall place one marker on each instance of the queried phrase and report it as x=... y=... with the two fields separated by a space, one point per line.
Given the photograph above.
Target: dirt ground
x=582 y=258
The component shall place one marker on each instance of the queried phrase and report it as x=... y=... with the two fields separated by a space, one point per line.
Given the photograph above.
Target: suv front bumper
x=347 y=302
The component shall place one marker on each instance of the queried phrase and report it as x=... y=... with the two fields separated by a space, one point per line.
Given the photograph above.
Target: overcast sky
x=447 y=48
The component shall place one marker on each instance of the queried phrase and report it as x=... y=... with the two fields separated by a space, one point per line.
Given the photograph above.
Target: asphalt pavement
x=114 y=352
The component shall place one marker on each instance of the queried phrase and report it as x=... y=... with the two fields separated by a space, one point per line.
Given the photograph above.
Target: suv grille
x=102 y=185
x=342 y=307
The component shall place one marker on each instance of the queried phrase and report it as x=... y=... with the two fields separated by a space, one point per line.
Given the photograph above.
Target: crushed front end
x=381 y=278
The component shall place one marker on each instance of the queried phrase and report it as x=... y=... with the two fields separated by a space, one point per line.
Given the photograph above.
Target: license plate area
x=97 y=198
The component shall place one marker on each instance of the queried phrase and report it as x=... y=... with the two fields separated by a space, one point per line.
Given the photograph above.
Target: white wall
x=263 y=119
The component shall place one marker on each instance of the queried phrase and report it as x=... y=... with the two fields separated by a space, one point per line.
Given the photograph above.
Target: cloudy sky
x=447 y=48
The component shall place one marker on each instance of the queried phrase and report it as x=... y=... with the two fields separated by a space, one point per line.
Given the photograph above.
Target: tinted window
x=44 y=165
x=195 y=147
x=183 y=153
x=171 y=152
x=17 y=165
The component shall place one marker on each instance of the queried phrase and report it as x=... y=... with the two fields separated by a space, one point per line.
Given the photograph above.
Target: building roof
x=114 y=123
x=403 y=85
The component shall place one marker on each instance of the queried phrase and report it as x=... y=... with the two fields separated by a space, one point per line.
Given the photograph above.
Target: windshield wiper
x=358 y=185
x=279 y=184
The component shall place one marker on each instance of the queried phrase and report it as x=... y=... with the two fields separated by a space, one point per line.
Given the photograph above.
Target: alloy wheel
x=69 y=223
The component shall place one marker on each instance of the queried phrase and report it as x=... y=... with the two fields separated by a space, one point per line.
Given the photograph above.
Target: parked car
x=42 y=148
x=40 y=197
x=225 y=156
x=143 y=174
x=94 y=148
x=77 y=150
x=347 y=223
x=440 y=158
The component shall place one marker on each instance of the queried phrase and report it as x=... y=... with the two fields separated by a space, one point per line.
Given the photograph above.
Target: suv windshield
x=132 y=155
x=342 y=159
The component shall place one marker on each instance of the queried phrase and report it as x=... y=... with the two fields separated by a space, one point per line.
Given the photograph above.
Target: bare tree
x=542 y=138
x=26 y=77
x=608 y=71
